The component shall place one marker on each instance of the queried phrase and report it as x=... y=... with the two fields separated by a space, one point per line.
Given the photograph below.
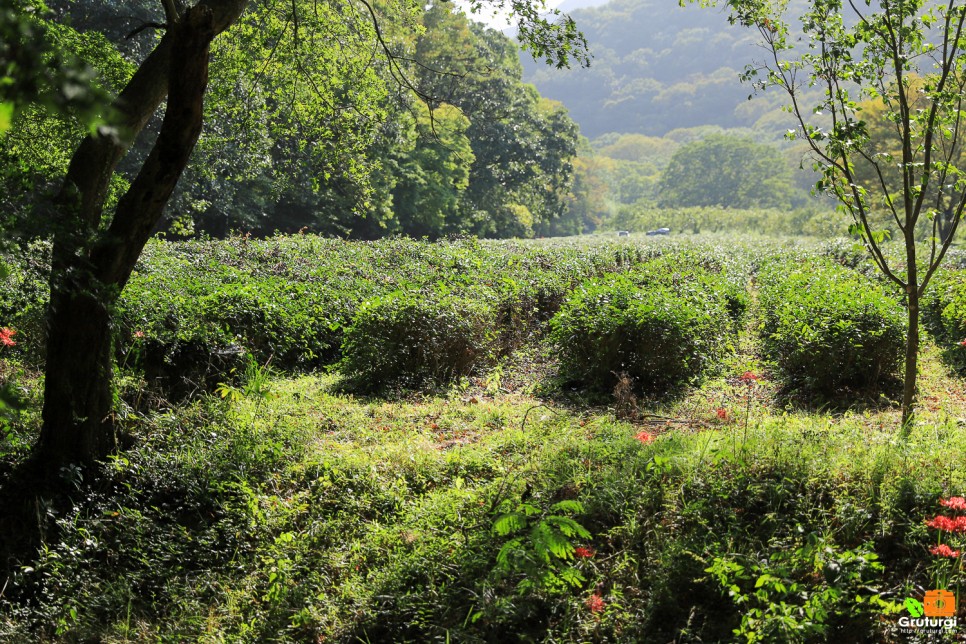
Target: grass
x=283 y=508
x=308 y=513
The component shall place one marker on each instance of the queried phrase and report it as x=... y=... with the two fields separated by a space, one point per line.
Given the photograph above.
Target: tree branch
x=141 y=206
x=147 y=25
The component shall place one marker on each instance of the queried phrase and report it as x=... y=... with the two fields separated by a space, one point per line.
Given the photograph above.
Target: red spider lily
x=645 y=437
x=962 y=343
x=595 y=603
x=948 y=524
x=954 y=502
x=749 y=377
x=6 y=337
x=942 y=550
x=139 y=334
x=722 y=413
x=584 y=553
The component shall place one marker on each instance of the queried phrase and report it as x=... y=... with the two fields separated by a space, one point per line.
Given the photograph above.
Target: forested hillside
x=656 y=67
x=661 y=105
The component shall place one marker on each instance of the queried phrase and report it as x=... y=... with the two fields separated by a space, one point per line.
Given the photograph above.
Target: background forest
x=319 y=130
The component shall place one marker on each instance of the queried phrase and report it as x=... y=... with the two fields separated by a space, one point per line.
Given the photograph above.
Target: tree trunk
x=909 y=388
x=77 y=395
x=912 y=363
x=89 y=268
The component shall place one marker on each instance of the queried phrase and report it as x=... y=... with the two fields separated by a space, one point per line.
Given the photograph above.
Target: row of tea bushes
x=944 y=313
x=405 y=313
x=193 y=310
x=664 y=325
x=828 y=327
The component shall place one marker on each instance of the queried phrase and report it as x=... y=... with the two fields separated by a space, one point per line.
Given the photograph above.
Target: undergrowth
x=500 y=505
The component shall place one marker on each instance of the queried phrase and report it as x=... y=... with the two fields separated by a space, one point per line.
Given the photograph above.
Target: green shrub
x=712 y=272
x=23 y=300
x=416 y=339
x=944 y=314
x=828 y=327
x=662 y=334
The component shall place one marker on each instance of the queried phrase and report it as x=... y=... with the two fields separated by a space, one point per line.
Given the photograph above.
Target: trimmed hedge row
x=194 y=310
x=413 y=340
x=828 y=327
x=663 y=328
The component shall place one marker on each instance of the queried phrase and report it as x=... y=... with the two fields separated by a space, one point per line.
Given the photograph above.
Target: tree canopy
x=310 y=124
x=726 y=171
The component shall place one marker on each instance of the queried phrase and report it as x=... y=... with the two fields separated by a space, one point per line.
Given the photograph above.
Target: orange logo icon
x=939 y=603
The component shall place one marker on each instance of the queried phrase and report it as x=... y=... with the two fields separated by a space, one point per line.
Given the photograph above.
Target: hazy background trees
x=361 y=157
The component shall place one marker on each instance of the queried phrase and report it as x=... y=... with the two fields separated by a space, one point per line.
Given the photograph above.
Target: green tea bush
x=712 y=271
x=662 y=333
x=192 y=311
x=414 y=339
x=944 y=314
x=828 y=327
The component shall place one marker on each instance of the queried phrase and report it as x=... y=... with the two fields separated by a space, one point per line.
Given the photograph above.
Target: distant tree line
x=620 y=176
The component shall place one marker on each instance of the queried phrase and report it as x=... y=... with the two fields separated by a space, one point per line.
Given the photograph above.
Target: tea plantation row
x=407 y=314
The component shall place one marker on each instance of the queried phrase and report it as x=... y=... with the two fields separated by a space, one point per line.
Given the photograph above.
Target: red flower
x=644 y=437
x=595 y=603
x=6 y=337
x=954 y=502
x=962 y=343
x=584 y=553
x=722 y=413
x=943 y=550
x=948 y=524
x=749 y=377
x=139 y=334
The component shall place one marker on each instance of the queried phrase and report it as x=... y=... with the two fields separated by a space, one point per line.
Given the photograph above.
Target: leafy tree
x=638 y=148
x=35 y=69
x=434 y=174
x=587 y=204
x=884 y=179
x=523 y=145
x=56 y=100
x=96 y=244
x=723 y=170
x=910 y=55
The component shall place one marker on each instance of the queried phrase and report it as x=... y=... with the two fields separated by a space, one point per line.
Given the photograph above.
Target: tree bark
x=90 y=267
x=912 y=337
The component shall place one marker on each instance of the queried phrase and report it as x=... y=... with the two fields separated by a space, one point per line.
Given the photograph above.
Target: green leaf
x=509 y=523
x=572 y=576
x=574 y=507
x=503 y=557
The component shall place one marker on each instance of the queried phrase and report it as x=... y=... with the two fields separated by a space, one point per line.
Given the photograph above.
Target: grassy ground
x=290 y=511
x=505 y=508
